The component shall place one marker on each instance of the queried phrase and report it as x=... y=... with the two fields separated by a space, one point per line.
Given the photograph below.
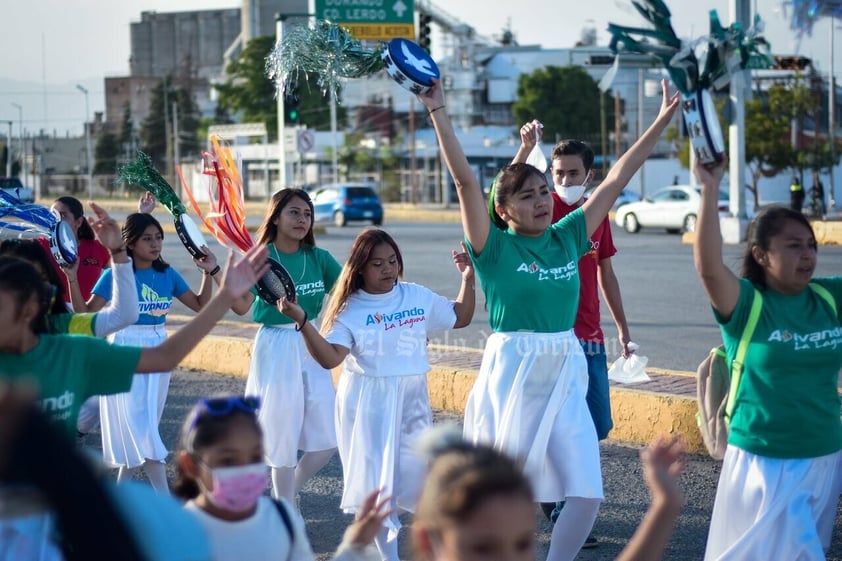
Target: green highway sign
x=371 y=19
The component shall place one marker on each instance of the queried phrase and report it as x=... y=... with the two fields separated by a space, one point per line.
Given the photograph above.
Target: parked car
x=339 y=203
x=14 y=187
x=626 y=196
x=674 y=208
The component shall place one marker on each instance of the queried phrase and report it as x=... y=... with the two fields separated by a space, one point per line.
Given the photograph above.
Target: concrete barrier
x=828 y=232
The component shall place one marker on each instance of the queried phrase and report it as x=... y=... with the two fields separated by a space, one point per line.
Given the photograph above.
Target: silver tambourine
x=703 y=128
x=275 y=284
x=409 y=65
x=63 y=244
x=190 y=235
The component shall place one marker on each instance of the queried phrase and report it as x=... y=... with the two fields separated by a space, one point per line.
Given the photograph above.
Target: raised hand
x=207 y=263
x=433 y=98
x=463 y=262
x=147 y=203
x=663 y=463
x=292 y=310
x=531 y=133
x=369 y=520
x=710 y=175
x=239 y=277
x=669 y=103
x=107 y=229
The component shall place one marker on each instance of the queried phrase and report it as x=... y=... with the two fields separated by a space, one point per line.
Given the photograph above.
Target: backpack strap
x=742 y=349
x=826 y=296
x=282 y=510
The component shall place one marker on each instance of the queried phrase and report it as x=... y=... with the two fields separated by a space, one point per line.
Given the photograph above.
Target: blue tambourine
x=703 y=127
x=409 y=65
x=33 y=218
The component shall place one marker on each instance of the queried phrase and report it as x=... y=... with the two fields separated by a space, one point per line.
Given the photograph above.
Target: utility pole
x=279 y=87
x=9 y=151
x=88 y=147
x=19 y=107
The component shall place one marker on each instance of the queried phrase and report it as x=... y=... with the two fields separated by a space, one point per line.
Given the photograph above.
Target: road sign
x=377 y=20
x=306 y=140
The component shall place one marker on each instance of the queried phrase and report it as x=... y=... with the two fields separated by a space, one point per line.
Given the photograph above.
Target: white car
x=673 y=208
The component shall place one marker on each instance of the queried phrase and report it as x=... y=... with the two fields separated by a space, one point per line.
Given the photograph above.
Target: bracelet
x=213 y=271
x=431 y=111
x=303 y=322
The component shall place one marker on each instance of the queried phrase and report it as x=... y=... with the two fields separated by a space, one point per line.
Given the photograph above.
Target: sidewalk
x=666 y=404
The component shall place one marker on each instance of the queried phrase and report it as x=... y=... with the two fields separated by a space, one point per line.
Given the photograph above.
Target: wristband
x=431 y=111
x=213 y=271
x=303 y=322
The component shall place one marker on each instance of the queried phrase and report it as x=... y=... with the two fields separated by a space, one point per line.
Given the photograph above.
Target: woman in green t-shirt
x=782 y=472
x=529 y=397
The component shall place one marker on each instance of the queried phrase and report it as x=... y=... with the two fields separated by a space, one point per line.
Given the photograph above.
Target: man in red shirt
x=572 y=170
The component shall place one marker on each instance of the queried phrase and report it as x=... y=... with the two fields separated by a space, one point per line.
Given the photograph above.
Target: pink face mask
x=237 y=488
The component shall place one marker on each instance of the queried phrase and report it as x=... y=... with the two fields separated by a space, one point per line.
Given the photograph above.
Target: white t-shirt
x=261 y=536
x=387 y=333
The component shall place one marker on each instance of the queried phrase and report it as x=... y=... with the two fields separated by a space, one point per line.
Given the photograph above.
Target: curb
x=639 y=415
x=827 y=232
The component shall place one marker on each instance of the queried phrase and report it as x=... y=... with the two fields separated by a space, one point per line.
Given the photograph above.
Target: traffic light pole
x=279 y=94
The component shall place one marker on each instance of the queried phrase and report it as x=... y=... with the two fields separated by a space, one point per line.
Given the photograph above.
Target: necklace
x=278 y=258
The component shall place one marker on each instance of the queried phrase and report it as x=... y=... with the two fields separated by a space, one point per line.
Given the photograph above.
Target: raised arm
x=466 y=301
x=597 y=206
x=241 y=305
x=530 y=135
x=238 y=279
x=327 y=354
x=721 y=285
x=663 y=463
x=475 y=220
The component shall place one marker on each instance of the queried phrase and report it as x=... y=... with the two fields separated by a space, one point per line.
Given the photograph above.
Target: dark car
x=341 y=203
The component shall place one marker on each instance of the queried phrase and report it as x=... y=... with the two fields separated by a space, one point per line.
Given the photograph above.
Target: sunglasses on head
x=219 y=406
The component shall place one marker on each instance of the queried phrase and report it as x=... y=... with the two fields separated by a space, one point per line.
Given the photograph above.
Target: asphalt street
x=667 y=311
x=626 y=497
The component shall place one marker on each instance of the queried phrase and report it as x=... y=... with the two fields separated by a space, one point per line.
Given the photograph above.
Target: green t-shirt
x=72 y=324
x=71 y=368
x=532 y=284
x=788 y=403
x=314 y=272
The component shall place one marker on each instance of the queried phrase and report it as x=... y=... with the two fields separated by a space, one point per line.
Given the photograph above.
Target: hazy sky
x=60 y=42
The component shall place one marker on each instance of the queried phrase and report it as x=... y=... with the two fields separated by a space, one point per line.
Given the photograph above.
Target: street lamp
x=88 y=143
x=20 y=134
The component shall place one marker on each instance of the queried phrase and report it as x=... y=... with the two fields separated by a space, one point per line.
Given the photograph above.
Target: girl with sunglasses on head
x=130 y=436
x=476 y=504
x=376 y=325
x=529 y=398
x=221 y=471
x=296 y=392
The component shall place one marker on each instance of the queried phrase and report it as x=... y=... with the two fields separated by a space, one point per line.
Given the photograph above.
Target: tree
x=768 y=147
x=105 y=153
x=565 y=100
x=155 y=131
x=251 y=94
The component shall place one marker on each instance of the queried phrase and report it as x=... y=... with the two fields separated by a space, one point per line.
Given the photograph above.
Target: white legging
x=287 y=482
x=572 y=528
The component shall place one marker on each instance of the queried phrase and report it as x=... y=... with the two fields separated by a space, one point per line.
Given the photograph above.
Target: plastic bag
x=536 y=157
x=630 y=370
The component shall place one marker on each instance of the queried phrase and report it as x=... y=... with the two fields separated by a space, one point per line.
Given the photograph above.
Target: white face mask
x=570 y=194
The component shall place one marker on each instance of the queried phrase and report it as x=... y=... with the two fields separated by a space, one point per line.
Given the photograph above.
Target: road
x=626 y=497
x=668 y=313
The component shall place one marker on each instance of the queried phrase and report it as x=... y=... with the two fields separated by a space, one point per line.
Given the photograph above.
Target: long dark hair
x=32 y=252
x=768 y=223
x=136 y=224
x=508 y=183
x=84 y=231
x=22 y=280
x=351 y=278
x=201 y=429
x=269 y=230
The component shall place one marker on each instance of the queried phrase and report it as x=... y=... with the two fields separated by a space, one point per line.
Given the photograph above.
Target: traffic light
x=791 y=62
x=291 y=101
x=424 y=21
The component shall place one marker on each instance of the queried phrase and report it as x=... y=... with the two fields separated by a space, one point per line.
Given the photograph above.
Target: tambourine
x=275 y=284
x=703 y=127
x=63 y=244
x=409 y=65
x=190 y=235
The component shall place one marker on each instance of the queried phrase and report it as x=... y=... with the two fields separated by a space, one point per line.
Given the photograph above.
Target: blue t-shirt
x=155 y=292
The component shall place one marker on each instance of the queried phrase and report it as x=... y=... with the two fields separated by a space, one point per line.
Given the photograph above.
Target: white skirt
x=130 y=420
x=297 y=396
x=529 y=402
x=378 y=421
x=771 y=508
